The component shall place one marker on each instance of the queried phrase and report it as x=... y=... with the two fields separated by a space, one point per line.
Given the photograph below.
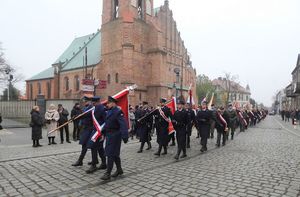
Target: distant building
x=293 y=90
x=137 y=44
x=238 y=95
x=281 y=101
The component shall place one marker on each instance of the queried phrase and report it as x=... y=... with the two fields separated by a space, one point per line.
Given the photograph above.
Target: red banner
x=172 y=106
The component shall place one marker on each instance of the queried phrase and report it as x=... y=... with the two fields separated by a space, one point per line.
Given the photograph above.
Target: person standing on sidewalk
x=74 y=113
x=51 y=117
x=63 y=118
x=36 y=125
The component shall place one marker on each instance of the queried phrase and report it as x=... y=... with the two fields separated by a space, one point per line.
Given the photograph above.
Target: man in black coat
x=180 y=121
x=162 y=118
x=203 y=121
x=222 y=120
x=144 y=126
x=63 y=118
x=191 y=114
x=74 y=113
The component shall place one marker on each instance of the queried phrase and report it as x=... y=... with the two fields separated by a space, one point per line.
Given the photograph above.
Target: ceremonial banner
x=211 y=101
x=190 y=99
x=172 y=106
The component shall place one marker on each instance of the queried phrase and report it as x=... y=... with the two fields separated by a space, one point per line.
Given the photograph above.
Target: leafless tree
x=8 y=73
x=231 y=82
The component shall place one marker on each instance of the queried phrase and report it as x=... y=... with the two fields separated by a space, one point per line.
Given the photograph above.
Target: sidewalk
x=9 y=123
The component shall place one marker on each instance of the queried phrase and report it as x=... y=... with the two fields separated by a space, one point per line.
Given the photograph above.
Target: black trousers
x=76 y=130
x=95 y=152
x=110 y=163
x=181 y=143
x=172 y=137
x=66 y=128
x=223 y=134
x=83 y=152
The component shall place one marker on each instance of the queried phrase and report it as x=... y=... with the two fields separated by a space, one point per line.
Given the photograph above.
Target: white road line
x=288 y=130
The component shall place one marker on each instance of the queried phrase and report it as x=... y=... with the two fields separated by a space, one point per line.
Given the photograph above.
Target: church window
x=77 y=83
x=108 y=78
x=116 y=9
x=117 y=77
x=39 y=88
x=31 y=90
x=48 y=90
x=140 y=9
x=66 y=80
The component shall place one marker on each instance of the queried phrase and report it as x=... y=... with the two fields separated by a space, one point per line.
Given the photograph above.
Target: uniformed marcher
x=190 y=124
x=88 y=127
x=115 y=130
x=97 y=147
x=144 y=127
x=232 y=120
x=222 y=120
x=203 y=121
x=162 y=117
x=180 y=121
x=212 y=121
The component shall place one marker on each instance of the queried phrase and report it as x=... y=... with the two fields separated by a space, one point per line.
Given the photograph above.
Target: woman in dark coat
x=36 y=125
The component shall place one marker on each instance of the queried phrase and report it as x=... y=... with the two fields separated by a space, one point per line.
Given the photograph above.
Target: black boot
x=106 y=176
x=34 y=143
x=38 y=143
x=149 y=146
x=202 y=149
x=158 y=151
x=102 y=166
x=90 y=163
x=49 y=138
x=77 y=163
x=53 y=142
x=117 y=173
x=165 y=151
x=92 y=169
x=184 y=154
x=177 y=155
x=141 y=148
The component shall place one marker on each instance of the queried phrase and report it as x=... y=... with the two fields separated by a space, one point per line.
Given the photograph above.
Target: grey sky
x=256 y=39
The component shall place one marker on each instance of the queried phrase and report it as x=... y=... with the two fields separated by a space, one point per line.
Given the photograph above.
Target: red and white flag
x=190 y=99
x=98 y=133
x=172 y=106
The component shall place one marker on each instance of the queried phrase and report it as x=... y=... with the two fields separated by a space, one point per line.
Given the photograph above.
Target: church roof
x=72 y=57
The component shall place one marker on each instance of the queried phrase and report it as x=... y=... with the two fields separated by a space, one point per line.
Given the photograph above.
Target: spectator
x=51 y=117
x=36 y=125
x=287 y=115
x=76 y=128
x=63 y=118
x=132 y=122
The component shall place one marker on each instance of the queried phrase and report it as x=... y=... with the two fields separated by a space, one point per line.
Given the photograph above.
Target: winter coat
x=36 y=125
x=63 y=116
x=51 y=117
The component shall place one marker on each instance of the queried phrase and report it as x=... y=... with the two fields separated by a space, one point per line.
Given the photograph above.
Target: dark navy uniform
x=222 y=121
x=88 y=127
x=180 y=122
x=97 y=147
x=162 y=127
x=203 y=121
x=115 y=130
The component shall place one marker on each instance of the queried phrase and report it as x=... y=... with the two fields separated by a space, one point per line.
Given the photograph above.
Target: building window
x=30 y=91
x=117 y=78
x=77 y=83
x=140 y=9
x=108 y=78
x=148 y=7
x=247 y=98
x=39 y=88
x=66 y=83
x=116 y=9
x=48 y=90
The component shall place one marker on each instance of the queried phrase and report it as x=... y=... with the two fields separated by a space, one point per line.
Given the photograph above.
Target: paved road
x=264 y=161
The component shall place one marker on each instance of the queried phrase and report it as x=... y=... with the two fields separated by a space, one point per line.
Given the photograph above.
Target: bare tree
x=8 y=73
x=231 y=83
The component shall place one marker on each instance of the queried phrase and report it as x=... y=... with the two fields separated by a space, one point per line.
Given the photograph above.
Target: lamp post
x=8 y=71
x=177 y=72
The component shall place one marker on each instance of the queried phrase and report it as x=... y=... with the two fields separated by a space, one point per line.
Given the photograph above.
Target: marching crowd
x=170 y=128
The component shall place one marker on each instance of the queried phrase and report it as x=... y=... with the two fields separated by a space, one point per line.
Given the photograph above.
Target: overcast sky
x=258 y=40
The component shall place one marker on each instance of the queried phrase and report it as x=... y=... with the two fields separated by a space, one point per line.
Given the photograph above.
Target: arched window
x=117 y=77
x=116 y=9
x=148 y=7
x=77 y=83
x=48 y=90
x=140 y=9
x=39 y=88
x=66 y=80
x=108 y=78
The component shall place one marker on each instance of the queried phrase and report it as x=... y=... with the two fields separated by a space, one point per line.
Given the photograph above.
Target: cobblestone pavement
x=263 y=161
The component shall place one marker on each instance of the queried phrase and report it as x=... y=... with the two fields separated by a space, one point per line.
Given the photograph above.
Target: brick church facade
x=136 y=44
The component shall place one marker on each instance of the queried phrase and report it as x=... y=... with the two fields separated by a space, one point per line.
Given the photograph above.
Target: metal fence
x=16 y=109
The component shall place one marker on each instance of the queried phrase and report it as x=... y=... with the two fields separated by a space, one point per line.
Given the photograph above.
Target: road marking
x=288 y=130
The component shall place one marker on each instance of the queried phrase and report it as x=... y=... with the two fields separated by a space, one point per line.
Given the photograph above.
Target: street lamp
x=11 y=77
x=177 y=72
